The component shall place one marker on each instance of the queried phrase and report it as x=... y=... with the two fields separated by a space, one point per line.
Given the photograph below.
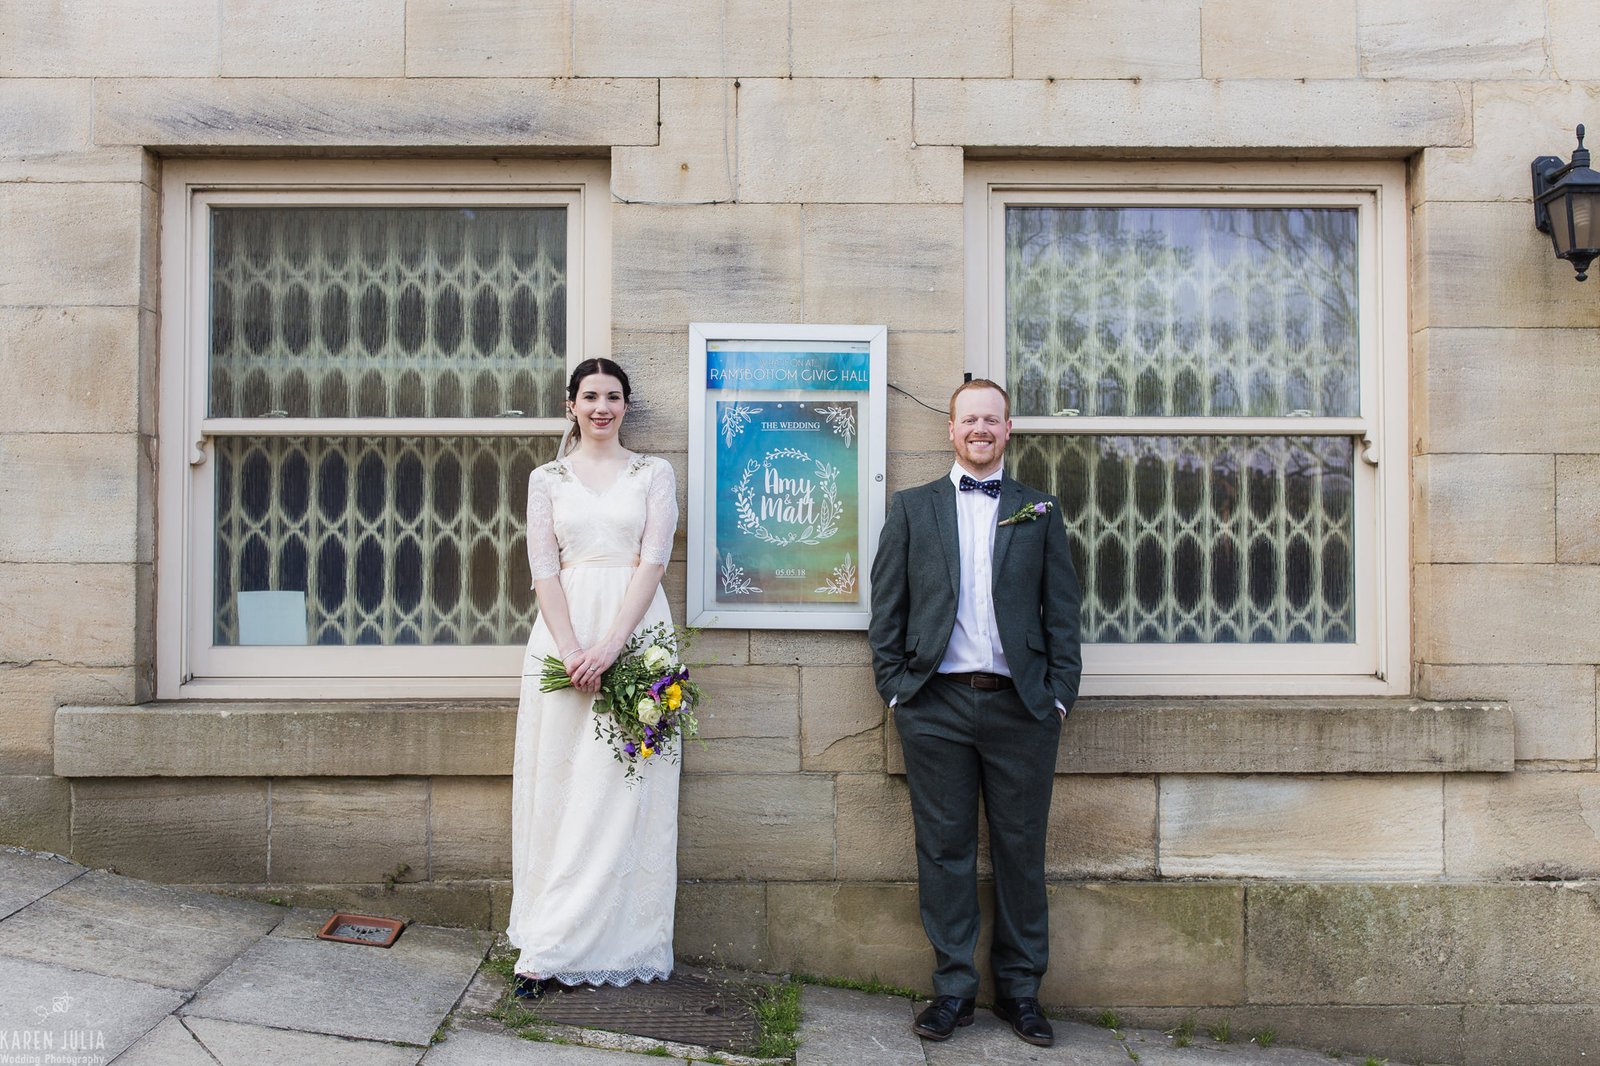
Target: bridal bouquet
x=646 y=700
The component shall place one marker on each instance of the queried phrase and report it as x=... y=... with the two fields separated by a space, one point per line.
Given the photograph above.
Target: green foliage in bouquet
x=646 y=701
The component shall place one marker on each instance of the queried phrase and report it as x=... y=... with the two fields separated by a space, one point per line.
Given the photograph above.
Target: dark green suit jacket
x=916 y=579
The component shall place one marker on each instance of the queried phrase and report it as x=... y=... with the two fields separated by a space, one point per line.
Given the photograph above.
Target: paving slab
x=839 y=1027
x=168 y=1044
x=303 y=923
x=320 y=986
x=469 y=1047
x=120 y=927
x=237 y=1044
x=28 y=876
x=1155 y=1048
x=76 y=1012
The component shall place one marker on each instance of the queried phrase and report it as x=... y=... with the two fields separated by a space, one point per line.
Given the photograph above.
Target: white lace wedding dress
x=594 y=857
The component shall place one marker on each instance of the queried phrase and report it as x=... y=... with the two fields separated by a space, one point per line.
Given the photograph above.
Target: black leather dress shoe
x=1026 y=1019
x=942 y=1016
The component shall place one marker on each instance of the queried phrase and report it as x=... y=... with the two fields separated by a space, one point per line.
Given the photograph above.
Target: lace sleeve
x=660 y=515
x=544 y=554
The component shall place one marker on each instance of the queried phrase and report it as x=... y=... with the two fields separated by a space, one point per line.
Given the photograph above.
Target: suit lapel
x=1010 y=500
x=944 y=510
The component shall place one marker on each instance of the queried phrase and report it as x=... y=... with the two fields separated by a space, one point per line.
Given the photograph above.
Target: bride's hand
x=588 y=665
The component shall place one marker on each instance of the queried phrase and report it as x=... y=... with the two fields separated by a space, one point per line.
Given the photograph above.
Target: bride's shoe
x=533 y=987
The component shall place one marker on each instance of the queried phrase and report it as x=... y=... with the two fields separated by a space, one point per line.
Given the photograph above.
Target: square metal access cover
x=362 y=929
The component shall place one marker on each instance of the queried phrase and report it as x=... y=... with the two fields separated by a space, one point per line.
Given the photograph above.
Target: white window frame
x=188 y=664
x=1379 y=662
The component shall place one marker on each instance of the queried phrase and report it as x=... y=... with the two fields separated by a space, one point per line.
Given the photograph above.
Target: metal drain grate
x=691 y=1007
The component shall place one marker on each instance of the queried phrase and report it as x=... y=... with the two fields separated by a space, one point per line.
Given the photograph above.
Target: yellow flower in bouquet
x=673 y=694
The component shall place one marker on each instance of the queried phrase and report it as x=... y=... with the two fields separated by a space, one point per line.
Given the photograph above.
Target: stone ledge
x=293 y=738
x=1274 y=735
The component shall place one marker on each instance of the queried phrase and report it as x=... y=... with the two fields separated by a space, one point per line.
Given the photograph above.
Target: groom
x=975 y=645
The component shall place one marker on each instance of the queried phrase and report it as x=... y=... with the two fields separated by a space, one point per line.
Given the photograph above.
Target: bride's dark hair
x=583 y=370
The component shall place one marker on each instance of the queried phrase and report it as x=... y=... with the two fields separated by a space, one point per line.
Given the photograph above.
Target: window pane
x=374 y=540
x=1205 y=539
x=380 y=312
x=1140 y=311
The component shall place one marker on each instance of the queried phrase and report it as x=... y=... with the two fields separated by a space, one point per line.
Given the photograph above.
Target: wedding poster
x=791 y=500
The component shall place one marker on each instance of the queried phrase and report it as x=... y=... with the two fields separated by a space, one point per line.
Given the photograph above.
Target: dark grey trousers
x=959 y=743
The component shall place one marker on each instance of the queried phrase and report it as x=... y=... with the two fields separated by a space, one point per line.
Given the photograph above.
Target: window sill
x=1278 y=735
x=294 y=738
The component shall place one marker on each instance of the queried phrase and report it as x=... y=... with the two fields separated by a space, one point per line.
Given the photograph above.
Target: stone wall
x=1421 y=873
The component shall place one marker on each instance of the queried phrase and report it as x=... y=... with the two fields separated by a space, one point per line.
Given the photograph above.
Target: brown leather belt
x=987 y=682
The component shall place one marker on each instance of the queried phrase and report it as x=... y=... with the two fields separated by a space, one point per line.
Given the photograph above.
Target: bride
x=594 y=856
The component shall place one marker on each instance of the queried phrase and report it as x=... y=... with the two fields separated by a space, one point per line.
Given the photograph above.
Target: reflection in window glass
x=390 y=540
x=1181 y=311
x=1204 y=539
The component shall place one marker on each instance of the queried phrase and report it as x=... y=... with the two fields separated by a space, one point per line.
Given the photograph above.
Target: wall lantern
x=1566 y=205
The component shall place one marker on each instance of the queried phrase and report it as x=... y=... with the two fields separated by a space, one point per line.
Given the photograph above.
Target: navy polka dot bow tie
x=990 y=489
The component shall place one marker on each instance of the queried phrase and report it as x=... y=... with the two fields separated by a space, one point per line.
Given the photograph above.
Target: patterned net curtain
x=1195 y=312
x=373 y=313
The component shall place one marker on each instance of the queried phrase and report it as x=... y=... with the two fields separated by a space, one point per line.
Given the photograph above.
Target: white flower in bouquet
x=656 y=657
x=648 y=710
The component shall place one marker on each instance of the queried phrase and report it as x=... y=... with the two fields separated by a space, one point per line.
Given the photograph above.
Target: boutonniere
x=1028 y=513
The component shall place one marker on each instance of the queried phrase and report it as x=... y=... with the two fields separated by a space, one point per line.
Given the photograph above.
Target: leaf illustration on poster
x=790 y=472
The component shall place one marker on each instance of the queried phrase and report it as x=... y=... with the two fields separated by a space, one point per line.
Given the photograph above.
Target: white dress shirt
x=975 y=642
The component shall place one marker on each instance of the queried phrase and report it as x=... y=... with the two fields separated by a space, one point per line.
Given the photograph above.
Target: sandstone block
x=876 y=841
x=841 y=719
x=680 y=39
x=1261 y=39
x=838 y=140
x=722 y=923
x=354 y=112
x=1146 y=944
x=309 y=39
x=1488 y=266
x=345 y=830
x=1152 y=39
x=751 y=723
x=190 y=830
x=1504 y=116
x=1437 y=39
x=1403 y=1033
x=1553 y=706
x=36 y=812
x=110 y=38
x=928 y=366
x=1267 y=113
x=910 y=469
x=675 y=265
x=488 y=38
x=29 y=697
x=71 y=369
x=942 y=39
x=659 y=412
x=693 y=163
x=81 y=613
x=469 y=828
x=1522 y=827
x=1578 y=508
x=1422 y=943
x=721 y=647
x=756 y=827
x=896 y=264
x=865 y=932
x=1515 y=614
x=1510 y=390
x=1301 y=827
x=45 y=135
x=71 y=243
x=1486 y=508
x=1102 y=827
x=83 y=475
x=193 y=738
x=1498 y=1034
x=1572 y=55
x=809 y=647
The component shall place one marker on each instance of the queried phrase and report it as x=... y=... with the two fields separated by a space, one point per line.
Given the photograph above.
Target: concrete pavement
x=98 y=969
